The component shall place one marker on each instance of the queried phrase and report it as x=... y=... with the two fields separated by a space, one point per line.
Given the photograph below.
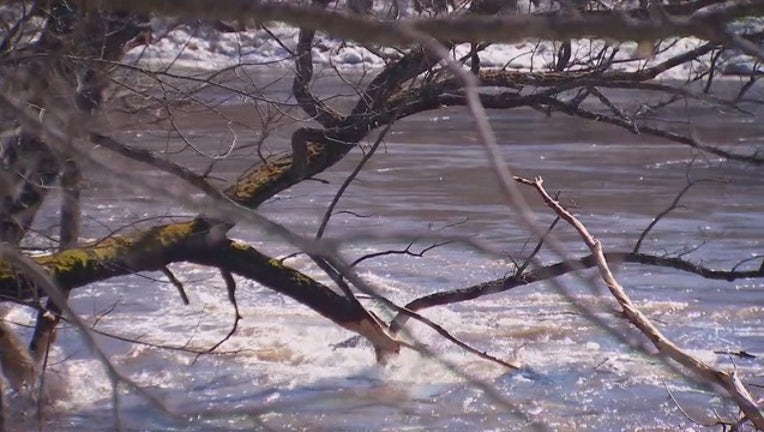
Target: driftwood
x=706 y=373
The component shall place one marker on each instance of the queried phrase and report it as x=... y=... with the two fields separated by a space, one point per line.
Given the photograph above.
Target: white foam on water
x=284 y=346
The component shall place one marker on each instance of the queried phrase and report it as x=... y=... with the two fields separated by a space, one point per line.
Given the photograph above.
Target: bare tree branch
x=303 y=76
x=729 y=381
x=349 y=179
x=550 y=271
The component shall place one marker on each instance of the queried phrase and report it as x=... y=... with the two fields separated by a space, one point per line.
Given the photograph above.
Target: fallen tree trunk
x=154 y=249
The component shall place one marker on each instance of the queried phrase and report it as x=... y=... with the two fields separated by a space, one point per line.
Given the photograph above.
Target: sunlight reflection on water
x=575 y=377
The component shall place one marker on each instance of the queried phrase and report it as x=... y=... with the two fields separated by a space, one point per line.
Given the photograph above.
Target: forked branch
x=729 y=381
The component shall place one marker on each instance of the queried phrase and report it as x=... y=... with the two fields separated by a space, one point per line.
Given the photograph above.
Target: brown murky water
x=432 y=174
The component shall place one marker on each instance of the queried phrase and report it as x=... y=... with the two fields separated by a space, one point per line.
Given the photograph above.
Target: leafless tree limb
x=349 y=179
x=423 y=68
x=729 y=381
x=542 y=273
x=230 y=285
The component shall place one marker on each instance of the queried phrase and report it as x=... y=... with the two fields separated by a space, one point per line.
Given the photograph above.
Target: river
x=283 y=371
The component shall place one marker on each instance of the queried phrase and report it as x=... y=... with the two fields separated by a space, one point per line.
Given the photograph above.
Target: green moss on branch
x=115 y=256
x=159 y=246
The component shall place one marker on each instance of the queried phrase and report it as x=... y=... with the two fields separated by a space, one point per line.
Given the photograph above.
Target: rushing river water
x=283 y=371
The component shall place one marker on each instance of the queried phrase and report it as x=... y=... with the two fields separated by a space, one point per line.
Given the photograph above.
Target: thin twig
x=176 y=283
x=230 y=284
x=349 y=179
x=521 y=268
x=671 y=207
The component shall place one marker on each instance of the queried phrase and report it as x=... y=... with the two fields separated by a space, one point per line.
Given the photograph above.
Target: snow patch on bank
x=207 y=49
x=202 y=48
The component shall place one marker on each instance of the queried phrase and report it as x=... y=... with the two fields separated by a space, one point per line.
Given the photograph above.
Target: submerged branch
x=539 y=274
x=693 y=142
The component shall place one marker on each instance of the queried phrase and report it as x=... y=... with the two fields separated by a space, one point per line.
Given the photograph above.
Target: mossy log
x=190 y=241
x=114 y=256
x=319 y=150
